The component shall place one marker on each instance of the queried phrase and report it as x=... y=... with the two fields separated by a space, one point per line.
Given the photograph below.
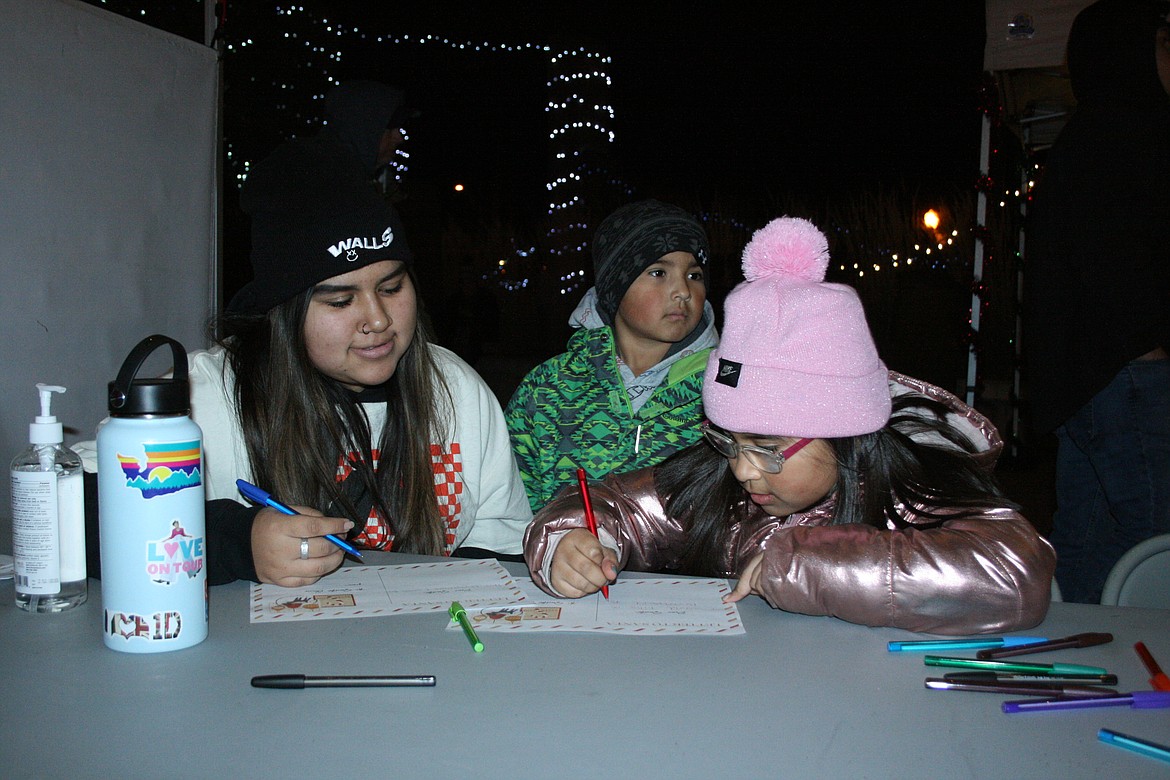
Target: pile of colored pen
x=1055 y=686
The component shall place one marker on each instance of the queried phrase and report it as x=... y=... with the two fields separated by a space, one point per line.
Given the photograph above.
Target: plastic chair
x=1141 y=577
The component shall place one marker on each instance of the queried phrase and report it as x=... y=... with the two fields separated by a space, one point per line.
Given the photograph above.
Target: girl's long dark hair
x=298 y=425
x=875 y=473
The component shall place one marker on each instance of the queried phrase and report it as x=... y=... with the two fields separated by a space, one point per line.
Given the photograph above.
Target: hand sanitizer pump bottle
x=48 y=517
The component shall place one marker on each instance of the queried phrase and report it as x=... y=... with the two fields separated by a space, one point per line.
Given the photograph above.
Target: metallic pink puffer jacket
x=990 y=573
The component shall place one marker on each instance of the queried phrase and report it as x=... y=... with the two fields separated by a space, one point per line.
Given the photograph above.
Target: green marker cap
x=459 y=615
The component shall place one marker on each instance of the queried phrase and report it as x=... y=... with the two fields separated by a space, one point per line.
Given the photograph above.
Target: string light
x=578 y=106
x=580 y=115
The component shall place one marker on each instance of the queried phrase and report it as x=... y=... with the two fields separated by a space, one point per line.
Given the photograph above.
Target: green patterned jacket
x=573 y=410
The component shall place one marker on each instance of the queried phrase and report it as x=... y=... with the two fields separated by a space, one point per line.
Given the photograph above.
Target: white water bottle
x=151 y=510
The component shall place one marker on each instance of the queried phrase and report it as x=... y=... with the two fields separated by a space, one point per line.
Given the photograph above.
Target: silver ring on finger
x=304 y=548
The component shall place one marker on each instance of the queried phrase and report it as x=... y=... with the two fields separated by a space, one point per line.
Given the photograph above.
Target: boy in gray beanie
x=627 y=392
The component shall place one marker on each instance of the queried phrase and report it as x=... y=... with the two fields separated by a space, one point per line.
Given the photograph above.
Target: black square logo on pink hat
x=729 y=372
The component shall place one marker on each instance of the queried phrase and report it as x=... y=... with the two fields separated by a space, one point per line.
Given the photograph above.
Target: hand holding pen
x=581 y=564
x=262 y=497
x=590 y=518
x=315 y=553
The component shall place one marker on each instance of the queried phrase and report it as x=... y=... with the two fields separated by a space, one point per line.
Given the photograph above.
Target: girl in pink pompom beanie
x=827 y=484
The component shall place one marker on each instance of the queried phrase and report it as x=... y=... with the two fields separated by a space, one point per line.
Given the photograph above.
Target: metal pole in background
x=977 y=270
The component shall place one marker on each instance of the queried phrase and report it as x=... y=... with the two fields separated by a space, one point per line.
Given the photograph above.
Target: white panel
x=107 y=204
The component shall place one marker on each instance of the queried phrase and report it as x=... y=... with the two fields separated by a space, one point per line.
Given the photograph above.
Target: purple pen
x=1139 y=700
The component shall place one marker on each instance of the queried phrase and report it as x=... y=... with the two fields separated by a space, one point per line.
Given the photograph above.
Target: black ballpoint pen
x=1022 y=688
x=1079 y=679
x=1076 y=640
x=298 y=681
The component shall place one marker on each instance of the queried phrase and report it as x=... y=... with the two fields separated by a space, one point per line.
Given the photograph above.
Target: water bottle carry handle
x=139 y=355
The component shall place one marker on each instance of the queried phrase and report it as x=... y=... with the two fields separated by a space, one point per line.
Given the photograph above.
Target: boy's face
x=665 y=301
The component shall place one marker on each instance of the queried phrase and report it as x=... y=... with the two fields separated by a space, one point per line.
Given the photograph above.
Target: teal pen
x=931 y=645
x=1143 y=746
x=1009 y=666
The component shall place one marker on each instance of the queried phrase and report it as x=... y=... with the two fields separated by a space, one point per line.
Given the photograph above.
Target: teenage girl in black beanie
x=326 y=392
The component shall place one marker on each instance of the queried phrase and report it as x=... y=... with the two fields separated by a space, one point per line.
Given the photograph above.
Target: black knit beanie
x=310 y=222
x=632 y=238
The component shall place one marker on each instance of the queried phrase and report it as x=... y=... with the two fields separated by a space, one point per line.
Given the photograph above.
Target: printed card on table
x=381 y=591
x=638 y=606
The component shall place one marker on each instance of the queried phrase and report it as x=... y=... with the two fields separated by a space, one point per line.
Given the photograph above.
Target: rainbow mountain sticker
x=170 y=467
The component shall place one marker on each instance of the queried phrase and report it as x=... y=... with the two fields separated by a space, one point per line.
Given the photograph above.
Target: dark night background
x=730 y=113
x=713 y=98
x=714 y=101
x=857 y=115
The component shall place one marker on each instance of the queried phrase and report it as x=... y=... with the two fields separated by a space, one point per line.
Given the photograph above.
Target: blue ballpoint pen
x=258 y=496
x=1143 y=746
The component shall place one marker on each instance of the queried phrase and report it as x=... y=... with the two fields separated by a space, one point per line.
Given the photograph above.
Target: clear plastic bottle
x=48 y=517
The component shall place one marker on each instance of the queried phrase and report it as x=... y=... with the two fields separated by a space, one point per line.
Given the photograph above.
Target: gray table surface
x=797 y=696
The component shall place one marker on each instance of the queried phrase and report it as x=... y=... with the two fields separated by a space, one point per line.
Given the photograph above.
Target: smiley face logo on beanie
x=351 y=245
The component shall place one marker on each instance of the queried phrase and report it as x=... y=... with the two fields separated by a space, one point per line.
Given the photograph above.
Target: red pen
x=1158 y=680
x=590 y=518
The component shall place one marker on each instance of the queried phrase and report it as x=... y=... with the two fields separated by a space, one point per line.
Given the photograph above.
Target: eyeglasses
x=767 y=459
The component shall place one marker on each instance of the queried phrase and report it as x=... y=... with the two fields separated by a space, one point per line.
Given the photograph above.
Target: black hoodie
x=357 y=113
x=1097 y=269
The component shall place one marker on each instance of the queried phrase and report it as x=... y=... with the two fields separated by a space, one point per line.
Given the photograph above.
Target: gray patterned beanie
x=633 y=237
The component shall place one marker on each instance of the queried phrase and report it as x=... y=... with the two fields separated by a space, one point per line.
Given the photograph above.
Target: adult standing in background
x=1097 y=294
x=366 y=120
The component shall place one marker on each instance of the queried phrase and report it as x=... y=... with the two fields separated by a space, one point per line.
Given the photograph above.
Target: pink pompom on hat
x=796 y=357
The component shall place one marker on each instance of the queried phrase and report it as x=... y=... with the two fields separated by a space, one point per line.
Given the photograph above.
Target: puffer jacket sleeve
x=988 y=573
x=628 y=509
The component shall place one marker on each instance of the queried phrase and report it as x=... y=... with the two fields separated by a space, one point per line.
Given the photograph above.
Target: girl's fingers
x=742 y=588
x=747 y=580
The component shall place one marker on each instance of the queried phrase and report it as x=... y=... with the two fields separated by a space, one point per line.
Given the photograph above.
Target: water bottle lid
x=131 y=397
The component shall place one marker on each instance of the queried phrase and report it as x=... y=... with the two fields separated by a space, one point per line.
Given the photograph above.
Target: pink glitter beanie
x=796 y=357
